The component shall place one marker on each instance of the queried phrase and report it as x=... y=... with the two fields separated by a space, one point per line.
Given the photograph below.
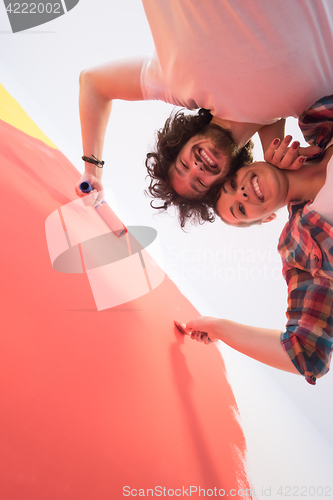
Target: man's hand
x=96 y=195
x=291 y=158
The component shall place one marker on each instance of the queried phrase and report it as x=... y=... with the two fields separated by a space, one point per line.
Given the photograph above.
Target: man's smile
x=207 y=159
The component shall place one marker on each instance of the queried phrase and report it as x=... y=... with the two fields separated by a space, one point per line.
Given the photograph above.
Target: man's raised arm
x=98 y=87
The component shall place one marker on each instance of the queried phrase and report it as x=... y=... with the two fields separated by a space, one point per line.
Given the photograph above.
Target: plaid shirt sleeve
x=316 y=123
x=306 y=248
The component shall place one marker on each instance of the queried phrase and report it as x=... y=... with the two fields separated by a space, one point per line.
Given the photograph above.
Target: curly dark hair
x=177 y=131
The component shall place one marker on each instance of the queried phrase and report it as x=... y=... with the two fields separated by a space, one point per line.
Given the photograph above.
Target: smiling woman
x=256 y=191
x=305 y=246
x=253 y=194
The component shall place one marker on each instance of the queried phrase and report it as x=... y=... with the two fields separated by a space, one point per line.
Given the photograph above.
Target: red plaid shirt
x=306 y=249
x=316 y=123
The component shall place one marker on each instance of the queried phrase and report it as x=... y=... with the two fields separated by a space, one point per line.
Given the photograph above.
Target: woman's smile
x=253 y=194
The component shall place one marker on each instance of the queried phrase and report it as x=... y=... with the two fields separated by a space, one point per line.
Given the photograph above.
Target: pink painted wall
x=95 y=401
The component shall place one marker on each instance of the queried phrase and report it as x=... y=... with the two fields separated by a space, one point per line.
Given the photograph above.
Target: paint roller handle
x=85 y=187
x=90 y=185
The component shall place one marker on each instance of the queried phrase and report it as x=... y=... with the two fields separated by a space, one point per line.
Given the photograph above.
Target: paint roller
x=109 y=217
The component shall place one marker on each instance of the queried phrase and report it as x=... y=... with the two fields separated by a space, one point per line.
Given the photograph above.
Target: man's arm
x=98 y=87
x=270 y=132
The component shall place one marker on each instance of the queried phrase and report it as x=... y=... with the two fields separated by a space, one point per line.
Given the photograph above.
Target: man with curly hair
x=182 y=137
x=251 y=64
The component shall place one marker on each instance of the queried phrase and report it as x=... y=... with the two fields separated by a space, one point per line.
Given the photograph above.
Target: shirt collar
x=295 y=206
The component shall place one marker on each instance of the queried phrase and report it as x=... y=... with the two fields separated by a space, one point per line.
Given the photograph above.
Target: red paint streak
x=128 y=244
x=81 y=257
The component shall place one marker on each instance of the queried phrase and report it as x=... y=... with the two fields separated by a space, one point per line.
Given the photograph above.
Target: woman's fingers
x=282 y=149
x=283 y=156
x=277 y=150
x=310 y=151
x=293 y=165
x=290 y=155
x=199 y=329
x=196 y=335
x=200 y=336
x=286 y=156
x=206 y=340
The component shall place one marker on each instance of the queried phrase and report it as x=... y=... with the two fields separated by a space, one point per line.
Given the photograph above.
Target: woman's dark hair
x=177 y=131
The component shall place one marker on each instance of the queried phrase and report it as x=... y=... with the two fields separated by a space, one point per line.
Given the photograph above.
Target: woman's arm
x=261 y=344
x=98 y=87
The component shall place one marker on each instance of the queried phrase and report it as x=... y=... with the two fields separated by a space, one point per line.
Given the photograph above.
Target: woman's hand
x=291 y=158
x=96 y=195
x=262 y=344
x=204 y=329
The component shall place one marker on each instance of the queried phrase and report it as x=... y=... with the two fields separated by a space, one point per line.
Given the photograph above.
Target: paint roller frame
x=105 y=212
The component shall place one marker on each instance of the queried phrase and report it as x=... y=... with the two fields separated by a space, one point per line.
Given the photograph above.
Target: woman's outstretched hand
x=203 y=329
x=292 y=158
x=262 y=344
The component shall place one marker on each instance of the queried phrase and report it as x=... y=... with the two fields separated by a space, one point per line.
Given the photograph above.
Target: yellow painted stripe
x=12 y=113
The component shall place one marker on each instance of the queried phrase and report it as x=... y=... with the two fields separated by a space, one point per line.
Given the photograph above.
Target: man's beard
x=221 y=138
x=224 y=145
